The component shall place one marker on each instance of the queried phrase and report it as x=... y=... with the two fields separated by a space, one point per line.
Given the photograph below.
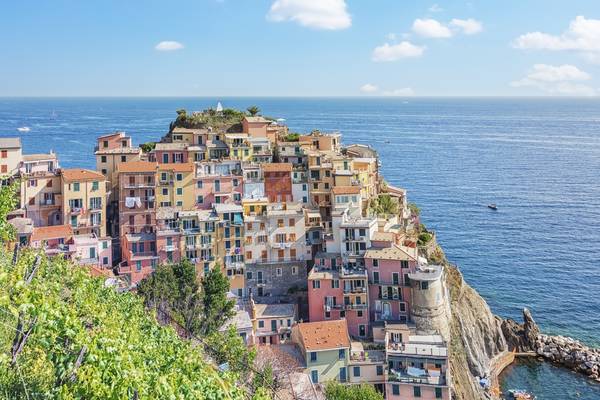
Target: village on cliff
x=328 y=263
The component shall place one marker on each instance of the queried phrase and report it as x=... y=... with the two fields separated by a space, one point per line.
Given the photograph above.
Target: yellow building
x=183 y=135
x=239 y=146
x=10 y=156
x=84 y=201
x=198 y=238
x=229 y=249
x=176 y=186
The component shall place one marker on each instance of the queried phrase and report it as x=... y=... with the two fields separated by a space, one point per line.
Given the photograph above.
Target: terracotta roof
x=116 y=133
x=384 y=236
x=324 y=335
x=389 y=253
x=346 y=189
x=178 y=167
x=51 y=232
x=138 y=166
x=77 y=174
x=257 y=119
x=171 y=146
x=277 y=167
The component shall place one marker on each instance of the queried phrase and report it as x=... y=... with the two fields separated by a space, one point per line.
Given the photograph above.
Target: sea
x=537 y=159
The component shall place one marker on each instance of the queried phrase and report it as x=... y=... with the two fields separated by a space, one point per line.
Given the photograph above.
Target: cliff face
x=477 y=341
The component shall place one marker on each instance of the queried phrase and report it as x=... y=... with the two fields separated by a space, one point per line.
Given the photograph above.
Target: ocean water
x=537 y=159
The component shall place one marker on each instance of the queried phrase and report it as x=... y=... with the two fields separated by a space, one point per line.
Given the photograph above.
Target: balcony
x=417 y=349
x=135 y=185
x=417 y=376
x=362 y=306
x=142 y=254
x=357 y=289
x=169 y=248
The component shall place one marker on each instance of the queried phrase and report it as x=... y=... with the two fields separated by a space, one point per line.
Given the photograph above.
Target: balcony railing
x=405 y=377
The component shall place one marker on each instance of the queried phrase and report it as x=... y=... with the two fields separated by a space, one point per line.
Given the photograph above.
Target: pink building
x=218 y=183
x=54 y=240
x=389 y=286
x=336 y=291
x=168 y=235
x=171 y=153
x=93 y=251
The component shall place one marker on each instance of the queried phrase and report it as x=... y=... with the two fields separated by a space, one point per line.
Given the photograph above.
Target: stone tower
x=430 y=307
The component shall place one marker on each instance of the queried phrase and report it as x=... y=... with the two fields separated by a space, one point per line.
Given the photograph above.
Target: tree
x=148 y=147
x=228 y=347
x=337 y=391
x=415 y=210
x=8 y=202
x=173 y=291
x=385 y=204
x=253 y=110
x=217 y=308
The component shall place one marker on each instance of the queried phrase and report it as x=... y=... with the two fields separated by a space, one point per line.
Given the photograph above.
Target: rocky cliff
x=477 y=342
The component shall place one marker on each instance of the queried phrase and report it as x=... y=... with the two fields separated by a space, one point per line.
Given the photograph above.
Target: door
x=343 y=374
x=362 y=330
x=274 y=325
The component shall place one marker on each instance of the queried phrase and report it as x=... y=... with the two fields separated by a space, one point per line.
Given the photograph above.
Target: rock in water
x=521 y=337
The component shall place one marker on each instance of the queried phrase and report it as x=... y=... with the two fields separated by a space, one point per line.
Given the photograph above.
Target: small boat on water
x=492 y=206
x=518 y=394
x=24 y=129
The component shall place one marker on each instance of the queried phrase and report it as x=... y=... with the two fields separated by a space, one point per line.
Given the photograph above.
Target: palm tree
x=385 y=205
x=253 y=110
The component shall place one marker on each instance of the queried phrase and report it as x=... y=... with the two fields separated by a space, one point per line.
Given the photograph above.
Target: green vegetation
x=228 y=120
x=148 y=147
x=384 y=205
x=292 y=137
x=424 y=238
x=337 y=391
x=201 y=307
x=253 y=110
x=81 y=340
x=8 y=202
x=414 y=209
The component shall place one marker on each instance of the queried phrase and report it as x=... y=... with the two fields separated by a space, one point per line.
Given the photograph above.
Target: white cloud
x=317 y=14
x=368 y=88
x=431 y=28
x=467 y=26
x=435 y=8
x=400 y=92
x=387 y=52
x=168 y=45
x=561 y=80
x=583 y=35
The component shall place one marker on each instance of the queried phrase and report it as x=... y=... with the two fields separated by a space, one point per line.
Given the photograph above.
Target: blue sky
x=299 y=48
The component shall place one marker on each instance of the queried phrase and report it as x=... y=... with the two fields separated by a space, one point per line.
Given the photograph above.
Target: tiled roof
x=389 y=253
x=116 y=133
x=138 y=166
x=383 y=236
x=78 y=174
x=257 y=119
x=10 y=143
x=346 y=189
x=38 y=157
x=170 y=146
x=178 y=167
x=119 y=150
x=274 y=310
x=51 y=232
x=324 y=335
x=277 y=167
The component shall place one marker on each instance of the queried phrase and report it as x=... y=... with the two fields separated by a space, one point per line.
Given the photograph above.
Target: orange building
x=278 y=181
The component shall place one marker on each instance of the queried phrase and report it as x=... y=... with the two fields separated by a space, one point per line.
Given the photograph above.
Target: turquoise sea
x=538 y=159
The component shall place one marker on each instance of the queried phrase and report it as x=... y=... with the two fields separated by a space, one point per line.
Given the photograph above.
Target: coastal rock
x=522 y=337
x=570 y=353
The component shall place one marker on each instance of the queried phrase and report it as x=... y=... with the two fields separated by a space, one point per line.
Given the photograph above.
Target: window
x=375 y=262
x=165 y=158
x=375 y=277
x=4 y=168
x=316 y=284
x=249 y=275
x=314 y=376
x=396 y=390
x=104 y=260
x=179 y=203
x=105 y=244
x=200 y=199
x=261 y=324
x=138 y=266
x=199 y=185
x=123 y=158
x=104 y=172
x=416 y=391
x=4 y=153
x=359 y=313
x=395 y=278
x=356 y=371
x=105 y=143
x=313 y=356
x=294 y=270
x=342 y=354
x=343 y=374
x=438 y=393
x=327 y=314
x=165 y=192
x=179 y=191
x=179 y=177
x=103 y=159
x=278 y=271
x=379 y=370
x=424 y=285
x=74 y=220
x=33 y=182
x=403 y=264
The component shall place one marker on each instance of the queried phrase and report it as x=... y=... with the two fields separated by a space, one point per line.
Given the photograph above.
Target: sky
x=300 y=48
